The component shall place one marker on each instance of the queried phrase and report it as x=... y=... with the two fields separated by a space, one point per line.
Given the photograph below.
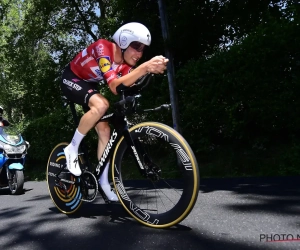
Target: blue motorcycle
x=13 y=150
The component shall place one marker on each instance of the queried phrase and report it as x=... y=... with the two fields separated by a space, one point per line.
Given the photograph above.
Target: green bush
x=238 y=107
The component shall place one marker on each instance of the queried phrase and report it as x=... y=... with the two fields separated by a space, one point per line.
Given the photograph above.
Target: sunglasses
x=139 y=47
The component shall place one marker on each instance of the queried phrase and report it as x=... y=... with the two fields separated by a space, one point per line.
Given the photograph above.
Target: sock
x=77 y=138
x=103 y=180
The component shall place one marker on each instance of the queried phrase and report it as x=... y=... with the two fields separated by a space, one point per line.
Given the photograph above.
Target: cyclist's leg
x=98 y=106
x=103 y=131
x=85 y=94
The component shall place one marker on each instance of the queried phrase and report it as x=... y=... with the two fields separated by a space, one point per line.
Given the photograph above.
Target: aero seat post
x=82 y=145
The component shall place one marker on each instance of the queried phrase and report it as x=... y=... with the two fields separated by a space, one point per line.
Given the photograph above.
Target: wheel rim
x=13 y=185
x=165 y=202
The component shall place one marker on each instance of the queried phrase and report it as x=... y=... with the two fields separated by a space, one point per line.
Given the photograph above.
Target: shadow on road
x=273 y=195
x=48 y=229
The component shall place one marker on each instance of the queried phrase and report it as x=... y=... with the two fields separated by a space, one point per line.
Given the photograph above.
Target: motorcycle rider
x=111 y=61
x=1 y=118
x=1 y=112
x=3 y=121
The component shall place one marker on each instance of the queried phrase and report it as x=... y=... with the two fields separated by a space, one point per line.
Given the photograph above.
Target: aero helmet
x=132 y=32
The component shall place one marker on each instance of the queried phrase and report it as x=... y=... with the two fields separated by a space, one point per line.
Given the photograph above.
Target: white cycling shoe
x=72 y=162
x=109 y=193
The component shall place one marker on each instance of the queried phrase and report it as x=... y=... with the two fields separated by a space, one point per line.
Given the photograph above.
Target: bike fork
x=144 y=162
x=139 y=154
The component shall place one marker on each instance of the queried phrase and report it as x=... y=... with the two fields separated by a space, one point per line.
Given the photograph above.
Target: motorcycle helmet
x=132 y=32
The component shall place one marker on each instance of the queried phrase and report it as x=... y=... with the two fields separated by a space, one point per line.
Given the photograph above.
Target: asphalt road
x=250 y=213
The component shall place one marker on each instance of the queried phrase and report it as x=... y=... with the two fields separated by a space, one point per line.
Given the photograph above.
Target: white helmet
x=132 y=32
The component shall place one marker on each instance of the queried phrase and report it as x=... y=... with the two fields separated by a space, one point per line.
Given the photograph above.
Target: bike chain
x=96 y=186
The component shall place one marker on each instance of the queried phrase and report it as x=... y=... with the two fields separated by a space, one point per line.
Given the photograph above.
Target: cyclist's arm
x=156 y=65
x=128 y=79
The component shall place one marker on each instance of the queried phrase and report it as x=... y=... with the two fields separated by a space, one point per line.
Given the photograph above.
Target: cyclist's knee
x=98 y=111
x=98 y=105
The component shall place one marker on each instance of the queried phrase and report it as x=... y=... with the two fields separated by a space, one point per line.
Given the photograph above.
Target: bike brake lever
x=166 y=106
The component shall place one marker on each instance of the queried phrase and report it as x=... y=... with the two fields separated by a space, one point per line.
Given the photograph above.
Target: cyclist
x=112 y=62
x=3 y=122
x=1 y=119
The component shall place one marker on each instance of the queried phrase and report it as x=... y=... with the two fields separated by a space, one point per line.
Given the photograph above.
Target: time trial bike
x=154 y=170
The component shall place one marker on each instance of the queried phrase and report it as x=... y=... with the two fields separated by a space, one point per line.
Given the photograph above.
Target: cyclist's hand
x=157 y=65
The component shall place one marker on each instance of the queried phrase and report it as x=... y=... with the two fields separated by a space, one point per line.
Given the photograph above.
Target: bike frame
x=120 y=125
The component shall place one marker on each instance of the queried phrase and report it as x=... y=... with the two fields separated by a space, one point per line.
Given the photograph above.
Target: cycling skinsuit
x=95 y=63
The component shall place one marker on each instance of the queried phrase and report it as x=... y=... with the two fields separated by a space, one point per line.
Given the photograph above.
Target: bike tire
x=68 y=200
x=17 y=177
x=143 y=198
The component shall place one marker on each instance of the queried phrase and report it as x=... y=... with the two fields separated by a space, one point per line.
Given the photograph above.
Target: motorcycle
x=13 y=150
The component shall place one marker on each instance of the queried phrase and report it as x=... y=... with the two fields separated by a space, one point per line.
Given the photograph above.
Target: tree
x=11 y=19
x=243 y=100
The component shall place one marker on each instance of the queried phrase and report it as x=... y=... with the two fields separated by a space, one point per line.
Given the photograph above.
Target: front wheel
x=16 y=181
x=165 y=191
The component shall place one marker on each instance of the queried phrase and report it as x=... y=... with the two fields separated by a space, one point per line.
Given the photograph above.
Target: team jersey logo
x=104 y=64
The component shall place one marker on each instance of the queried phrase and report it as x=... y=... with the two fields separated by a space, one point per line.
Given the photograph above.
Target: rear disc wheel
x=65 y=191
